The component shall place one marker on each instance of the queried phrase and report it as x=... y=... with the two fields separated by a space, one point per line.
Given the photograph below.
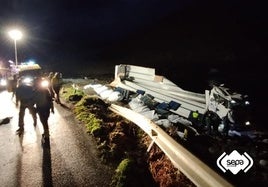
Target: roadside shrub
x=71 y=94
x=93 y=124
x=121 y=173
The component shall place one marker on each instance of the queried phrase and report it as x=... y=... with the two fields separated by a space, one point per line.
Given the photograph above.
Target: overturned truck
x=217 y=111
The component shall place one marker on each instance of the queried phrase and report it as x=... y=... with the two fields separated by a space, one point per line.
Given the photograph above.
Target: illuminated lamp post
x=15 y=35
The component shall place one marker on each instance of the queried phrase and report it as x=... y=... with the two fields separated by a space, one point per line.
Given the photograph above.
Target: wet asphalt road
x=70 y=160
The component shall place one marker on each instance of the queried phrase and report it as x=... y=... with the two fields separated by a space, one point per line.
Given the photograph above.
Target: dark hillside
x=218 y=40
x=204 y=37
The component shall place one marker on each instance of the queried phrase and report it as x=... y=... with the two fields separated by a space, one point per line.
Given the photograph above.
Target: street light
x=15 y=35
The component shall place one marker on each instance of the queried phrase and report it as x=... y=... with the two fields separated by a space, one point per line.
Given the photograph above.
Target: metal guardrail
x=198 y=172
x=193 y=168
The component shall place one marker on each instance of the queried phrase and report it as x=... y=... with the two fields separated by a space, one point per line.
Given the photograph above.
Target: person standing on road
x=13 y=85
x=44 y=104
x=56 y=86
x=49 y=78
x=25 y=99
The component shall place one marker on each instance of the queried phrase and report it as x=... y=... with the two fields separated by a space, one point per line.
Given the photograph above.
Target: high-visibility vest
x=56 y=81
x=195 y=115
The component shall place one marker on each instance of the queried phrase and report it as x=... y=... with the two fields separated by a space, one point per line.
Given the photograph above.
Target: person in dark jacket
x=13 y=85
x=25 y=99
x=44 y=104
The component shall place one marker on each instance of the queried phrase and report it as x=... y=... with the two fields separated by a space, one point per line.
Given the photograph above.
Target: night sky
x=76 y=31
x=190 y=42
x=204 y=33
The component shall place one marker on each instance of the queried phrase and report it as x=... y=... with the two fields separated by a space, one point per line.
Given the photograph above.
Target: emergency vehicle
x=23 y=72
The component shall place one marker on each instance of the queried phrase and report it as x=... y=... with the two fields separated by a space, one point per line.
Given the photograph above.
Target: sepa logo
x=235 y=162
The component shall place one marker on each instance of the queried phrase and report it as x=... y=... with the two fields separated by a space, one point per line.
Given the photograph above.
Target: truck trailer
x=218 y=110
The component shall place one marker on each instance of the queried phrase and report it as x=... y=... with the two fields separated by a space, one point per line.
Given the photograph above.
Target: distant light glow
x=31 y=62
x=15 y=34
x=3 y=82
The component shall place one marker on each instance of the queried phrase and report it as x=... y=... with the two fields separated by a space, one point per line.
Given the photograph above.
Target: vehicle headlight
x=233 y=101
x=247 y=123
x=27 y=80
x=44 y=83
